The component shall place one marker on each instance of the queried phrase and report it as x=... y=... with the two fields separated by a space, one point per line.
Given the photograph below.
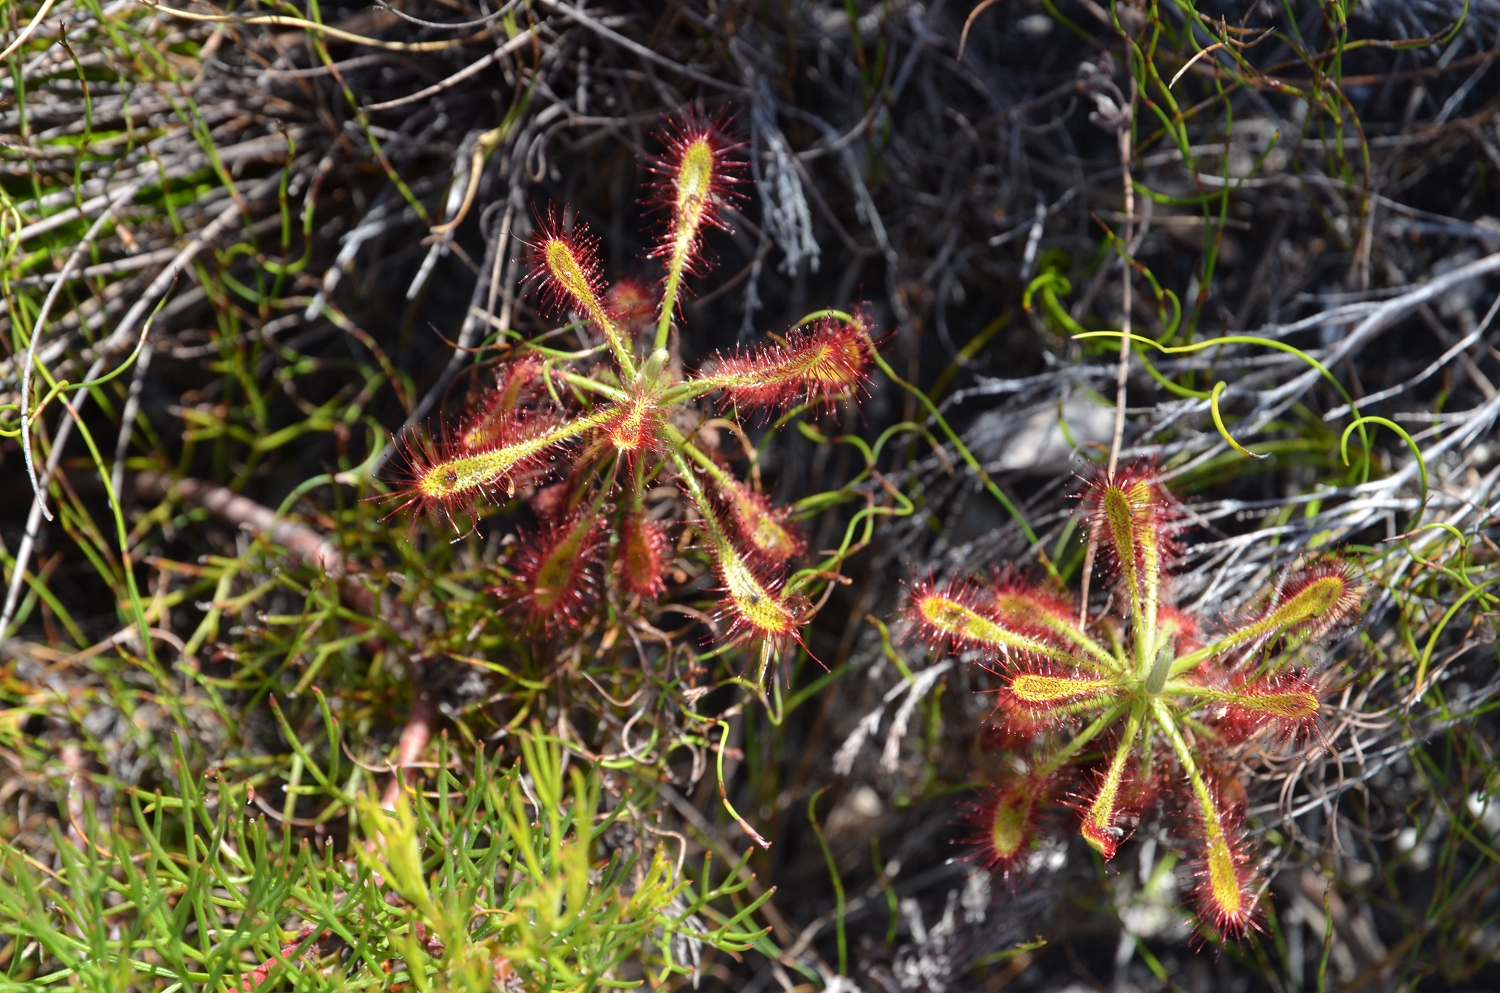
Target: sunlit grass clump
x=499 y=878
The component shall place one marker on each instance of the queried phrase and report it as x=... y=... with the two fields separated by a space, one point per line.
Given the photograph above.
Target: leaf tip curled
x=1112 y=801
x=1102 y=838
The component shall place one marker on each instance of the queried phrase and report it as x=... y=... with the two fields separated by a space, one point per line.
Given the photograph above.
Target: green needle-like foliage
x=498 y=879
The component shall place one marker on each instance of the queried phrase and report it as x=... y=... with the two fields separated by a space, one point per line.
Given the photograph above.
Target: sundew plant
x=612 y=420
x=528 y=865
x=1145 y=697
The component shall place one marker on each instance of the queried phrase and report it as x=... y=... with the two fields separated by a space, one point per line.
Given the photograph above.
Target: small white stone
x=1035 y=25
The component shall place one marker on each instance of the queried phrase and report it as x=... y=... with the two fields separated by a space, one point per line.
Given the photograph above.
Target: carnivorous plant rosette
x=1162 y=701
x=612 y=420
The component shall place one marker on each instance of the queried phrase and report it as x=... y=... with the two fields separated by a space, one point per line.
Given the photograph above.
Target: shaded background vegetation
x=323 y=220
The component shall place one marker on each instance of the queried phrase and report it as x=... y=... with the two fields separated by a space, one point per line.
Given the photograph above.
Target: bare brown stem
x=309 y=547
x=304 y=543
x=414 y=738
